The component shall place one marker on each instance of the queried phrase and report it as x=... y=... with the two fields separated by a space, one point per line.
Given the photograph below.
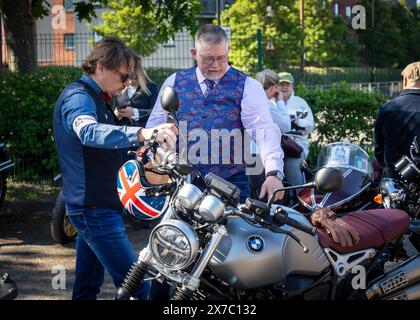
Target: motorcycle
x=5 y=164
x=8 y=288
x=359 y=189
x=62 y=231
x=404 y=193
x=208 y=246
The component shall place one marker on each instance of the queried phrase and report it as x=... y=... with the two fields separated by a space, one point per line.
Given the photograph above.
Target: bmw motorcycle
x=208 y=246
x=404 y=193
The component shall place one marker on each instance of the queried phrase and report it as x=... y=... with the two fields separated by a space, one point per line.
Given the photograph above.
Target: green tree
x=245 y=17
x=19 y=18
x=142 y=28
x=327 y=38
x=393 y=42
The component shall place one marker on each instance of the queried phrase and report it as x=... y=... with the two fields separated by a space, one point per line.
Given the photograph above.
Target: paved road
x=28 y=253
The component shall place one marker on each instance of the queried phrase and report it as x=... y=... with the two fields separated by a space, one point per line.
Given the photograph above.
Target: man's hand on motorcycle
x=270 y=184
x=166 y=135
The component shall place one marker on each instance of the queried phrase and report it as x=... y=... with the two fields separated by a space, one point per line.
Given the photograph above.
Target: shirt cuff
x=272 y=164
x=136 y=114
x=132 y=136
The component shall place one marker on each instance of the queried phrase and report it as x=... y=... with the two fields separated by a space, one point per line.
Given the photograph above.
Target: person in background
x=136 y=102
x=398 y=122
x=301 y=126
x=270 y=82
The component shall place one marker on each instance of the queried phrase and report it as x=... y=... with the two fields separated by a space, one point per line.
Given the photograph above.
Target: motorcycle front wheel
x=62 y=231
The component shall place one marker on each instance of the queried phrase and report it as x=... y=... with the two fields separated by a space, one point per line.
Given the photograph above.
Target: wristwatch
x=275 y=173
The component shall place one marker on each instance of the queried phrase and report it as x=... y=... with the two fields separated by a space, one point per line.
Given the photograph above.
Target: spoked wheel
x=62 y=230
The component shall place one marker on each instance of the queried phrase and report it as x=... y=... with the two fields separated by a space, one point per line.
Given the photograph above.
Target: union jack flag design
x=132 y=195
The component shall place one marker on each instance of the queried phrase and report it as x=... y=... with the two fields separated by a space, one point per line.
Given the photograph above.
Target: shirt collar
x=92 y=83
x=200 y=76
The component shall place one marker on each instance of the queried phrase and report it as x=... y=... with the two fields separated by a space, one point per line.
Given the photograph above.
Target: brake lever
x=280 y=230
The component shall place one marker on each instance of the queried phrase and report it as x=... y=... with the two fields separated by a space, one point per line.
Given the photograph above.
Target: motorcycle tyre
x=61 y=230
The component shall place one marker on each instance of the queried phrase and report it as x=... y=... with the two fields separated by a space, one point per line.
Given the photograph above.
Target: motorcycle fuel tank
x=251 y=257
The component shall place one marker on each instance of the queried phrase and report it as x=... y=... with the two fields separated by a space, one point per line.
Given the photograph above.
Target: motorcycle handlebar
x=282 y=218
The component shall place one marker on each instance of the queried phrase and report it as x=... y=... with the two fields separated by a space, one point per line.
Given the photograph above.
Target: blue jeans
x=101 y=244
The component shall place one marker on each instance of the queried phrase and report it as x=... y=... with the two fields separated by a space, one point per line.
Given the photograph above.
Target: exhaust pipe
x=409 y=293
x=400 y=277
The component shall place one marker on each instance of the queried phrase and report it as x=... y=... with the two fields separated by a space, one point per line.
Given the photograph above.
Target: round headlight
x=174 y=244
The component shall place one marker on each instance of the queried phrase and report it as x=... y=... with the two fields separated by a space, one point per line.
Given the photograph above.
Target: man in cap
x=398 y=121
x=304 y=125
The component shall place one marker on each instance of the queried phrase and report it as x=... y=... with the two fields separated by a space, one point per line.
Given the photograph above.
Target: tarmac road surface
x=32 y=259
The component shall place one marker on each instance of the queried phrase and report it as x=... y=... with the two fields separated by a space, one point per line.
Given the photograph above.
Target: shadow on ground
x=31 y=257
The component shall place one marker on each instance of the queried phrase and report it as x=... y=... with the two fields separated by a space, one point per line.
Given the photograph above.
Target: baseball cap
x=286 y=77
x=412 y=71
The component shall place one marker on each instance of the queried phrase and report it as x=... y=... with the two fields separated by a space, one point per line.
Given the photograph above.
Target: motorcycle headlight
x=174 y=244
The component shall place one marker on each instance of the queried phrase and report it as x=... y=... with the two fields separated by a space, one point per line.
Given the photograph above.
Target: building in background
x=69 y=45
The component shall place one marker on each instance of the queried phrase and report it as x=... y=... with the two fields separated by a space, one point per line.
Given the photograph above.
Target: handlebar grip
x=282 y=219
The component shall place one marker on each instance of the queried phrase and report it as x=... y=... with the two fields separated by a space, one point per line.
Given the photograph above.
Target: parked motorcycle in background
x=62 y=231
x=404 y=193
x=358 y=189
x=5 y=165
x=208 y=246
x=8 y=288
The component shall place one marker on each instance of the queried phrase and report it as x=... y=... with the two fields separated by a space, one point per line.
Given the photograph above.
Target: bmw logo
x=255 y=244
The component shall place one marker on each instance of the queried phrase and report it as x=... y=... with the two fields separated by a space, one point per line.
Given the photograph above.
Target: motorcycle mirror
x=301 y=113
x=328 y=180
x=169 y=100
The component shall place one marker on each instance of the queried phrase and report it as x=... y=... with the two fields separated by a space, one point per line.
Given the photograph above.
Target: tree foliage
x=20 y=16
x=393 y=39
x=142 y=27
x=327 y=38
x=245 y=17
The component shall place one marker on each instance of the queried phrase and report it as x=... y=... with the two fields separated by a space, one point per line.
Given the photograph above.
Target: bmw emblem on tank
x=255 y=244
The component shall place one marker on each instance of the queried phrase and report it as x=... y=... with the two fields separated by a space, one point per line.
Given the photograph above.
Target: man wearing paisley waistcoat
x=215 y=98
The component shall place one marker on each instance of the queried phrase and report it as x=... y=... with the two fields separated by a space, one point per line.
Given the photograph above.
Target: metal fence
x=61 y=49
x=71 y=49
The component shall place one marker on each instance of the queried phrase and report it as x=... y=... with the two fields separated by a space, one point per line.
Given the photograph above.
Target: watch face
x=280 y=176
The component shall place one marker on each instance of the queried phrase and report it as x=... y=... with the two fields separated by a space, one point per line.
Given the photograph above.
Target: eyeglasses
x=210 y=60
x=125 y=76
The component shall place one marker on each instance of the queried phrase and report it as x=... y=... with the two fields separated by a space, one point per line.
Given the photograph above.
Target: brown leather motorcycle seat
x=375 y=227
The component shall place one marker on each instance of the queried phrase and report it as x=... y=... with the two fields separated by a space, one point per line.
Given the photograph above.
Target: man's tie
x=210 y=85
